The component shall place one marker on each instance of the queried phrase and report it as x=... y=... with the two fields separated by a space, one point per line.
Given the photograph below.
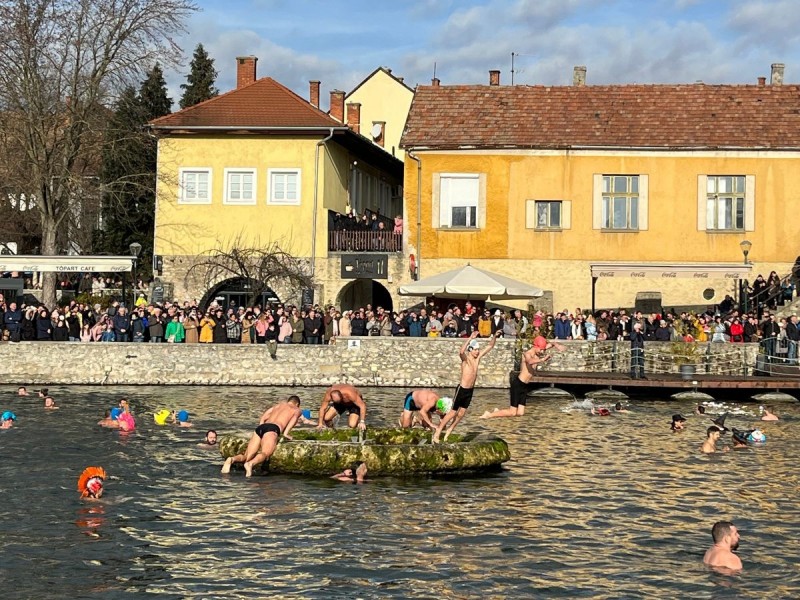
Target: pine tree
x=200 y=81
x=153 y=95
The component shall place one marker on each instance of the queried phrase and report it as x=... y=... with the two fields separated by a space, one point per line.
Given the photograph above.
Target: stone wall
x=401 y=362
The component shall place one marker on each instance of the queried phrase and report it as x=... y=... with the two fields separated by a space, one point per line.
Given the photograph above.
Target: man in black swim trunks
x=275 y=421
x=339 y=399
x=470 y=355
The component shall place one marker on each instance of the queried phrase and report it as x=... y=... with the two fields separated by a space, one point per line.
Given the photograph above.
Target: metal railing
x=364 y=241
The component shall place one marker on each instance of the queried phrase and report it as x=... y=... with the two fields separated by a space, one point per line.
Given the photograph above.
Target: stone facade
x=390 y=362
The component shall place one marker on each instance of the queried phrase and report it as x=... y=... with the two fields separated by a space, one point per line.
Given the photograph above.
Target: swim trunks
x=268 y=428
x=463 y=398
x=519 y=392
x=350 y=409
x=408 y=404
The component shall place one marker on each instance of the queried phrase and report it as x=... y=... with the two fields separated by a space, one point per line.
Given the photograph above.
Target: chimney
x=245 y=70
x=762 y=81
x=336 y=109
x=313 y=94
x=401 y=79
x=435 y=82
x=579 y=76
x=494 y=77
x=354 y=116
x=777 y=74
x=378 y=127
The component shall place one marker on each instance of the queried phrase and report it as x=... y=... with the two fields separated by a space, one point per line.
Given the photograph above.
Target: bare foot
x=447 y=435
x=485 y=415
x=226 y=467
x=248 y=469
x=435 y=438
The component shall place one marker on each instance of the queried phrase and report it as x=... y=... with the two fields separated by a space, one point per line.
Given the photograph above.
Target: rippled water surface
x=588 y=507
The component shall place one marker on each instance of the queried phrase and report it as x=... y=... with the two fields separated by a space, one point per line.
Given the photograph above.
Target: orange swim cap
x=539 y=342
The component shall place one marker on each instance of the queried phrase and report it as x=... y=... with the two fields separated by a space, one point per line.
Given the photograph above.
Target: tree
x=61 y=62
x=262 y=267
x=129 y=169
x=200 y=81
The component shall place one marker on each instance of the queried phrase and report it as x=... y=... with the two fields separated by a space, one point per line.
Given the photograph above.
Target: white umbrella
x=471 y=283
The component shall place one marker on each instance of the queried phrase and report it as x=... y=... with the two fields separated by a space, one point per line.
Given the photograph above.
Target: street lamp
x=745 y=245
x=136 y=249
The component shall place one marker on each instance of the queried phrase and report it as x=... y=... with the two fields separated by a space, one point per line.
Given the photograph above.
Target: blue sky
x=623 y=41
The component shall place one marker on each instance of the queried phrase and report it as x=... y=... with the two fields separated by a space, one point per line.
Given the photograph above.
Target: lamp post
x=136 y=249
x=745 y=246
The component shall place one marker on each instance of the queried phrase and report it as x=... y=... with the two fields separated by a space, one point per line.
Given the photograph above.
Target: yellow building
x=261 y=165
x=555 y=185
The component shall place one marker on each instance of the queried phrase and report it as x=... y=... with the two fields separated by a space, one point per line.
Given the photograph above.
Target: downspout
x=316 y=196
x=419 y=211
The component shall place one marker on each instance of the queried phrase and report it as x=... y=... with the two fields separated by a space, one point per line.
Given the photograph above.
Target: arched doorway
x=238 y=292
x=359 y=293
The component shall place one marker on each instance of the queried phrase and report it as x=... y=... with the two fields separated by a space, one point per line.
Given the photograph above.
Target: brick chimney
x=245 y=70
x=336 y=109
x=762 y=81
x=435 y=82
x=494 y=77
x=777 y=74
x=313 y=94
x=579 y=76
x=354 y=116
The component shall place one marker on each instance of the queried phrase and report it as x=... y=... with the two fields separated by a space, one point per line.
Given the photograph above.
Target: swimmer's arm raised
x=462 y=354
x=491 y=344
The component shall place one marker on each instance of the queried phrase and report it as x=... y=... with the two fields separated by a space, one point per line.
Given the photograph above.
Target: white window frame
x=598 y=221
x=441 y=215
x=271 y=186
x=532 y=215
x=749 y=203
x=226 y=199
x=182 y=189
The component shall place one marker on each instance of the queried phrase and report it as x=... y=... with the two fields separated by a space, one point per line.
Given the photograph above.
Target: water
x=590 y=507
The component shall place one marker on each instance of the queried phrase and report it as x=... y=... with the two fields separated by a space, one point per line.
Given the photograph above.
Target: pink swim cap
x=539 y=342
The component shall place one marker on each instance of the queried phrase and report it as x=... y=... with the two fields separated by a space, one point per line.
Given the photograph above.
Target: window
x=459 y=196
x=620 y=202
x=726 y=203
x=195 y=186
x=240 y=186
x=284 y=186
x=548 y=214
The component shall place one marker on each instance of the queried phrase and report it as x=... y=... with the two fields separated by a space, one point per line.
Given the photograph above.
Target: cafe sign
x=66 y=264
x=657 y=271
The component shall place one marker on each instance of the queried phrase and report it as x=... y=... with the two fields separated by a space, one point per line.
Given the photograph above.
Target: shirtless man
x=276 y=421
x=210 y=441
x=355 y=474
x=532 y=359
x=470 y=356
x=343 y=398
x=769 y=414
x=49 y=403
x=22 y=391
x=720 y=556
x=424 y=402
x=710 y=445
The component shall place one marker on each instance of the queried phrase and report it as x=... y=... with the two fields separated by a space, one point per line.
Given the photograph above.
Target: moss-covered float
x=398 y=452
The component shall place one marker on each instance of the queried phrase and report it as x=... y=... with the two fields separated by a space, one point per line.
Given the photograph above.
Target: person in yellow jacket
x=485 y=324
x=207 y=325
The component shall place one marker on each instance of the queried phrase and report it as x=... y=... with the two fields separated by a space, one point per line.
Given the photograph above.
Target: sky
x=623 y=41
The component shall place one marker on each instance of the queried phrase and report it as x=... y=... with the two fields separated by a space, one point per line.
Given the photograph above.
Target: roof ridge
x=188 y=109
x=298 y=98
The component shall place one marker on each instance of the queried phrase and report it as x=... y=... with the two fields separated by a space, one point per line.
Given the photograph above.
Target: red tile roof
x=264 y=103
x=617 y=116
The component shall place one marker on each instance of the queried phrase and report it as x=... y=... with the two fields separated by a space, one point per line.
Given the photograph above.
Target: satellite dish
x=377 y=129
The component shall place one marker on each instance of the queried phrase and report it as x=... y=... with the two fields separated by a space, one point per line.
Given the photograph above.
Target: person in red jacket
x=737 y=330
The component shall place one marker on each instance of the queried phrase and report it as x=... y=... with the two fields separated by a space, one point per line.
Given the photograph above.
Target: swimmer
x=602 y=411
x=423 y=402
x=276 y=421
x=182 y=418
x=43 y=392
x=49 y=403
x=339 y=399
x=769 y=414
x=618 y=408
x=111 y=419
x=532 y=359
x=720 y=556
x=355 y=474
x=210 y=441
x=470 y=355
x=22 y=391
x=7 y=420
x=678 y=423
x=710 y=445
x=123 y=404
x=700 y=410
x=739 y=440
x=90 y=483
x=305 y=418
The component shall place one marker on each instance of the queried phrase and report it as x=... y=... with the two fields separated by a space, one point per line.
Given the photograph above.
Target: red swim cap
x=539 y=342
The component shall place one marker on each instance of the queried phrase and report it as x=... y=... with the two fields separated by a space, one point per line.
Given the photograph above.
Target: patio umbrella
x=471 y=283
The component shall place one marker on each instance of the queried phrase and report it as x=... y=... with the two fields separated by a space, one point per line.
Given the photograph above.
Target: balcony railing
x=364 y=241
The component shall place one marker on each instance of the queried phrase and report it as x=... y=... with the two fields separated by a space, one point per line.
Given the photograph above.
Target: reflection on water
x=589 y=506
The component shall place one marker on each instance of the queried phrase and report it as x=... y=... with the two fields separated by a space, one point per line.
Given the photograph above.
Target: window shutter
x=644 y=202
x=436 y=197
x=482 y=201
x=566 y=214
x=750 y=203
x=597 y=201
x=702 y=202
x=530 y=214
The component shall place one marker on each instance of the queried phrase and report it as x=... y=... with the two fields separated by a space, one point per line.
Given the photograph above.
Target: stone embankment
x=398 y=362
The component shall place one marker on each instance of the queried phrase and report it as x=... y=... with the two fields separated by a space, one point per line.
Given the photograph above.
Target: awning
x=66 y=264
x=640 y=270
x=467 y=282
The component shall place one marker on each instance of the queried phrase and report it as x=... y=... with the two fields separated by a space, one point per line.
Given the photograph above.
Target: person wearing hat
x=677 y=423
x=424 y=402
x=7 y=420
x=182 y=419
x=739 y=439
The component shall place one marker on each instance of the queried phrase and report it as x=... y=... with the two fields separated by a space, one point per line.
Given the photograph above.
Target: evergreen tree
x=153 y=95
x=200 y=81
